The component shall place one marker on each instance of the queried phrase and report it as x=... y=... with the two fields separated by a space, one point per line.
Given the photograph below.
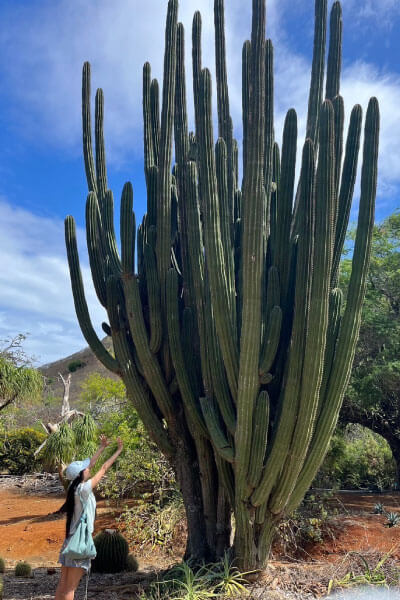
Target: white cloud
x=35 y=288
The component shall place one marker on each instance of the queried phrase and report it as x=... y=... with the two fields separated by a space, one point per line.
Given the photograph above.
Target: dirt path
x=29 y=531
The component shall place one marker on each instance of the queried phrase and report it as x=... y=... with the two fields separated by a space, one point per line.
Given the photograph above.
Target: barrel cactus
x=112 y=552
x=2 y=565
x=23 y=569
x=230 y=333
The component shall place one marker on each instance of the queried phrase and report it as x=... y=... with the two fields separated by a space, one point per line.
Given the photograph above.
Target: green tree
x=19 y=381
x=373 y=397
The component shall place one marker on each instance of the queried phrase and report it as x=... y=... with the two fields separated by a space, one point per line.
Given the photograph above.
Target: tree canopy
x=373 y=397
x=18 y=379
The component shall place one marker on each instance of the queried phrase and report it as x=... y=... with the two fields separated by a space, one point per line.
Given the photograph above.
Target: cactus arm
x=347 y=187
x=135 y=389
x=218 y=437
x=196 y=65
x=320 y=264
x=271 y=340
x=149 y=158
x=80 y=301
x=285 y=194
x=259 y=441
x=335 y=52
x=338 y=107
x=350 y=324
x=218 y=375
x=87 y=130
x=292 y=378
x=273 y=219
x=246 y=76
x=109 y=239
x=269 y=118
x=174 y=338
x=335 y=316
x=212 y=237
x=95 y=250
x=318 y=70
x=127 y=230
x=252 y=253
x=196 y=254
x=150 y=366
x=163 y=248
x=101 y=170
x=226 y=224
x=153 y=295
x=226 y=473
x=225 y=126
x=221 y=74
x=155 y=118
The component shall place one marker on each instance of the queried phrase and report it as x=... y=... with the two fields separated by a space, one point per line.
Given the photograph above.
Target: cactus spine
x=228 y=327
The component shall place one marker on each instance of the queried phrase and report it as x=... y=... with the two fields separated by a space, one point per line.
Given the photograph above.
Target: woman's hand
x=120 y=443
x=104 y=442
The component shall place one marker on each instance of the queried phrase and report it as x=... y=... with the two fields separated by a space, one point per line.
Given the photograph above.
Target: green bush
x=23 y=569
x=141 y=468
x=17 y=450
x=2 y=565
x=75 y=365
x=358 y=458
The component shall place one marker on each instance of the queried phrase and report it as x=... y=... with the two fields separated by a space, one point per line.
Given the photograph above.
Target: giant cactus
x=229 y=330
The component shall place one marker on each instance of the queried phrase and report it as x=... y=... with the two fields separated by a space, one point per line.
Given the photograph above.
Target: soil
x=31 y=531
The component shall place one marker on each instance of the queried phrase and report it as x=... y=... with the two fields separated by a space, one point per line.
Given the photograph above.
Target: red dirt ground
x=30 y=532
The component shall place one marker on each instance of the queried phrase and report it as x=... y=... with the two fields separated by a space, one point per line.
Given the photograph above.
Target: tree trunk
x=395 y=448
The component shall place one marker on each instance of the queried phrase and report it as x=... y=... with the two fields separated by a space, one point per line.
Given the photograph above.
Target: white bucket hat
x=74 y=468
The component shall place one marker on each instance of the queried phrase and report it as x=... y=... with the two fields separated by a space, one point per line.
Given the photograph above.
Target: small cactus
x=112 y=552
x=379 y=509
x=132 y=563
x=23 y=569
x=393 y=519
x=2 y=565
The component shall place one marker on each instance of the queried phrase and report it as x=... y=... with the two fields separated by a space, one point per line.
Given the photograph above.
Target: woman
x=81 y=486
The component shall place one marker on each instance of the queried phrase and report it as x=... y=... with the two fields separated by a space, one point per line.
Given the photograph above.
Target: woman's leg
x=69 y=581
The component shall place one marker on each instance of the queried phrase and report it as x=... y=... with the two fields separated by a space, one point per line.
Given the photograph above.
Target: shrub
x=75 y=365
x=2 y=565
x=23 y=569
x=357 y=459
x=17 y=450
x=112 y=552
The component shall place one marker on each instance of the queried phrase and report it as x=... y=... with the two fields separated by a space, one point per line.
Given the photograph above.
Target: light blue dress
x=84 y=491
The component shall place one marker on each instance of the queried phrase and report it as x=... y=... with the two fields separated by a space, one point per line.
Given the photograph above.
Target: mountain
x=85 y=362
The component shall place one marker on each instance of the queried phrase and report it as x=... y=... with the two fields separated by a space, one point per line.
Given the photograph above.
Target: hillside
x=90 y=365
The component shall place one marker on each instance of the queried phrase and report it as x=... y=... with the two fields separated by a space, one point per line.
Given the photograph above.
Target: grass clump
x=189 y=582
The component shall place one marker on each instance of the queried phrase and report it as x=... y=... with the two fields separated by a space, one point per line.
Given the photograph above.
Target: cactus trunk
x=228 y=328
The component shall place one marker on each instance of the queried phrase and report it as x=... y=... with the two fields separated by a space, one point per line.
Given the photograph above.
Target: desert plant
x=1 y=588
x=393 y=519
x=132 y=563
x=112 y=552
x=228 y=329
x=2 y=565
x=23 y=569
x=379 y=509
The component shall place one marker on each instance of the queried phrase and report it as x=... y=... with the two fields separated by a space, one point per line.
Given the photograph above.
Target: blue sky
x=43 y=44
